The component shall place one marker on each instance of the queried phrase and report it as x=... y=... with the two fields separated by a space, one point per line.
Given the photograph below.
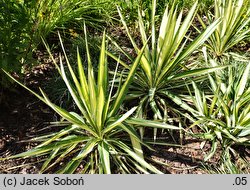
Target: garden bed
x=165 y=95
x=25 y=117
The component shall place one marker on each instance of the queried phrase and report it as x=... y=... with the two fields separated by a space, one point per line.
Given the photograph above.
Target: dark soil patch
x=18 y=122
x=22 y=117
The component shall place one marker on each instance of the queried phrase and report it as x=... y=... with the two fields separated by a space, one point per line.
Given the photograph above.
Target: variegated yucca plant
x=99 y=135
x=233 y=28
x=160 y=79
x=224 y=115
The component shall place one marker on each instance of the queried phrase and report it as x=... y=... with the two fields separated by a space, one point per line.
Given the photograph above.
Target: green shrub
x=224 y=115
x=235 y=17
x=98 y=135
x=14 y=37
x=241 y=166
x=162 y=69
x=49 y=15
x=23 y=23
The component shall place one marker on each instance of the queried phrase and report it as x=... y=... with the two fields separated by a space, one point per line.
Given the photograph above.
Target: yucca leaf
x=61 y=157
x=212 y=152
x=123 y=91
x=83 y=80
x=70 y=167
x=155 y=109
x=144 y=59
x=88 y=147
x=49 y=159
x=127 y=30
x=59 y=134
x=196 y=72
x=189 y=49
x=153 y=41
x=187 y=22
x=136 y=144
x=165 y=51
x=137 y=158
x=99 y=109
x=63 y=113
x=50 y=54
x=243 y=82
x=31 y=91
x=108 y=101
x=47 y=148
x=131 y=130
x=140 y=169
x=198 y=99
x=117 y=58
x=148 y=123
x=102 y=68
x=232 y=29
x=143 y=35
x=81 y=104
x=179 y=102
x=122 y=166
x=228 y=134
x=118 y=121
x=246 y=120
x=205 y=105
x=91 y=79
x=103 y=149
x=245 y=132
x=218 y=134
x=81 y=97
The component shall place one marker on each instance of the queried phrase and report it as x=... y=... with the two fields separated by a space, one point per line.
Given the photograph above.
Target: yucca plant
x=160 y=78
x=99 y=136
x=241 y=166
x=224 y=115
x=235 y=17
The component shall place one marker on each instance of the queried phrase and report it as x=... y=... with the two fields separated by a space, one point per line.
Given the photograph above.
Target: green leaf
x=245 y=132
x=59 y=135
x=196 y=72
x=117 y=122
x=103 y=149
x=137 y=158
x=102 y=69
x=49 y=159
x=99 y=110
x=70 y=167
x=47 y=148
x=61 y=157
x=123 y=91
x=91 y=80
x=148 y=123
x=213 y=149
x=180 y=102
x=243 y=82
x=88 y=147
x=83 y=80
